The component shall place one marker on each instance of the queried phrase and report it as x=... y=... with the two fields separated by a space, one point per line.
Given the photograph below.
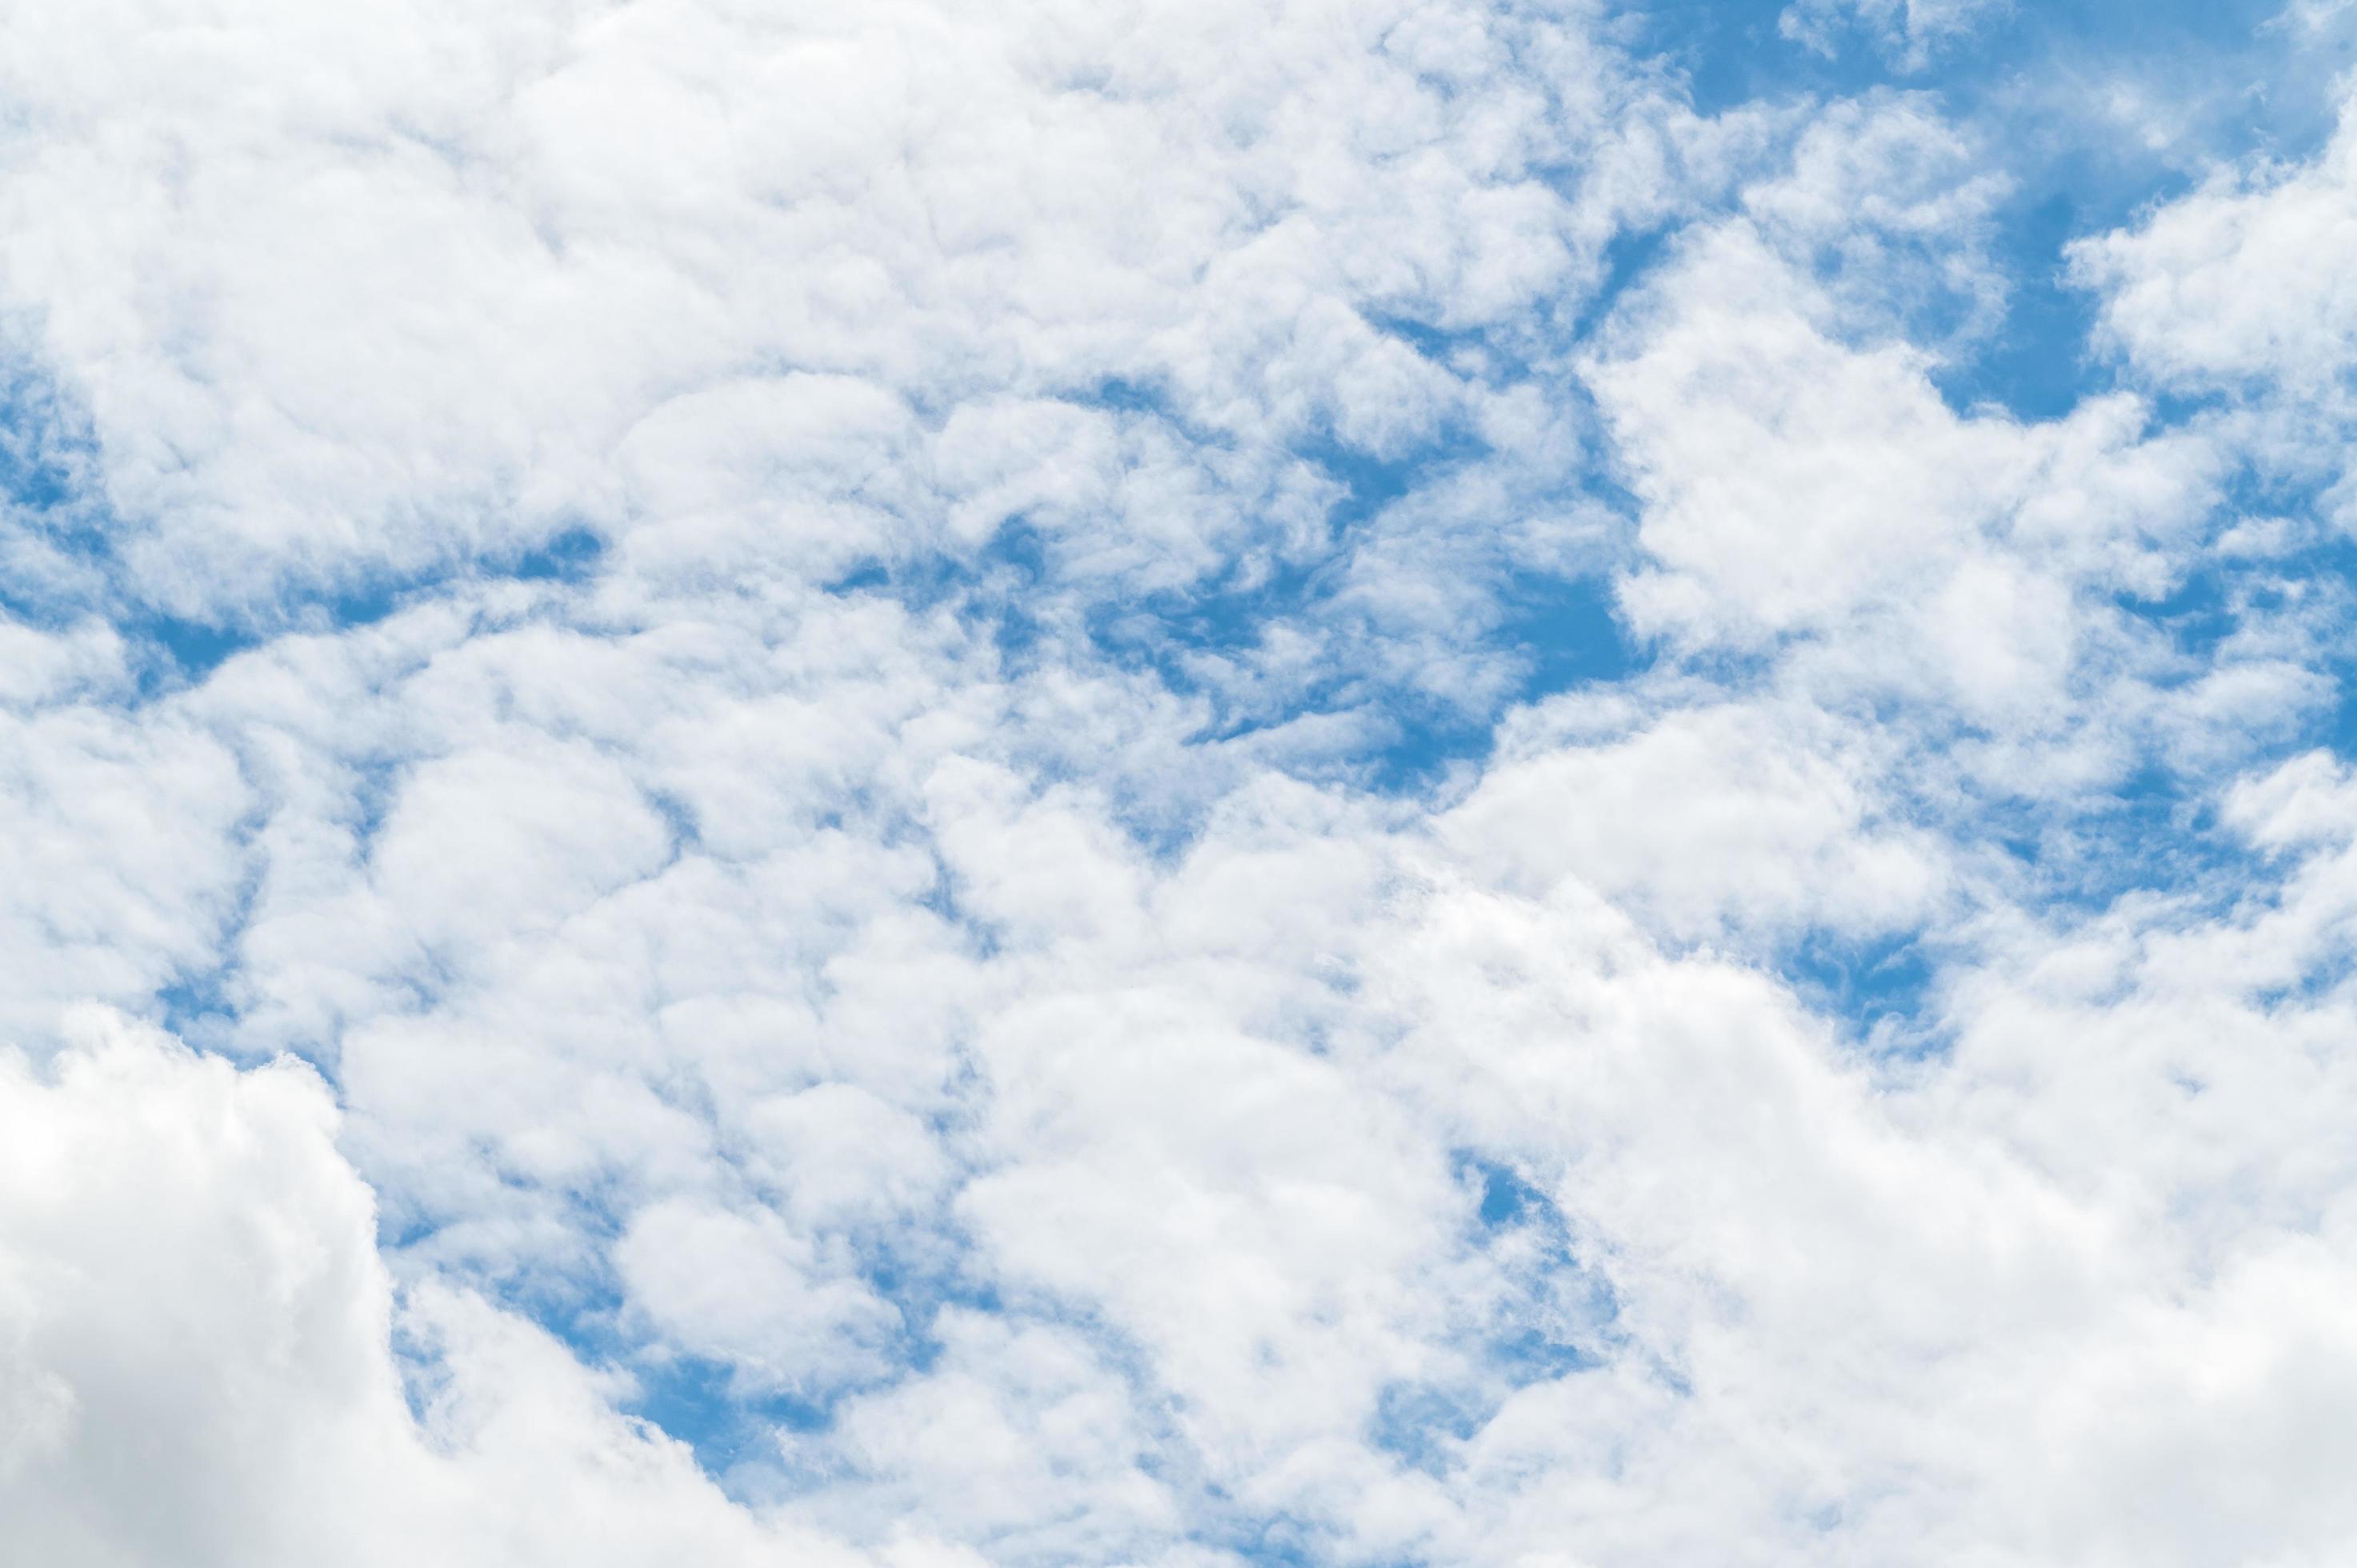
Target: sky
x=938 y=783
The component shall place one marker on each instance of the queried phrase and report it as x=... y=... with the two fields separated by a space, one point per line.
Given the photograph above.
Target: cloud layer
x=916 y=786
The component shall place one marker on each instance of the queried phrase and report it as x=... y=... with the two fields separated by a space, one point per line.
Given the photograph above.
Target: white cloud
x=198 y=1324
x=742 y=1289
x=386 y=295
x=122 y=866
x=1021 y=1436
x=1911 y=32
x=1711 y=818
x=906 y=927
x=2236 y=281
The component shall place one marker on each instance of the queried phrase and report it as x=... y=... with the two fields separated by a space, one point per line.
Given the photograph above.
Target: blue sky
x=911 y=785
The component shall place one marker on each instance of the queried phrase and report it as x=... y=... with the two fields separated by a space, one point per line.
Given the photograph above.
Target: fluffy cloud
x=1164 y=785
x=199 y=1350
x=2234 y=283
x=419 y=288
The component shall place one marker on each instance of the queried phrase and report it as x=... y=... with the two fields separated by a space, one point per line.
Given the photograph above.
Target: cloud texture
x=925 y=785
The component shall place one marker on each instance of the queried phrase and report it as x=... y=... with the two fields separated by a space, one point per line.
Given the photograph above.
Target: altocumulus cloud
x=917 y=785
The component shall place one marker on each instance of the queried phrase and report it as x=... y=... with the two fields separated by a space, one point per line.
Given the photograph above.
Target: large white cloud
x=197 y=1342
x=2235 y=282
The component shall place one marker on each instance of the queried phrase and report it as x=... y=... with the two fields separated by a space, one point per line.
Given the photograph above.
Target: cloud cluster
x=745 y=292
x=196 y=1350
x=938 y=785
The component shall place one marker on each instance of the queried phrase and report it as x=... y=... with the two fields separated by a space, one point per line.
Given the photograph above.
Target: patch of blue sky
x=1582 y=1300
x=1567 y=632
x=193 y=648
x=2040 y=362
x=196 y=648
x=2148 y=836
x=1419 y=1423
x=41 y=452
x=1505 y=1197
x=705 y=1405
x=1560 y=1323
x=199 y=1004
x=51 y=532
x=1881 y=986
x=1733 y=53
x=1630 y=257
